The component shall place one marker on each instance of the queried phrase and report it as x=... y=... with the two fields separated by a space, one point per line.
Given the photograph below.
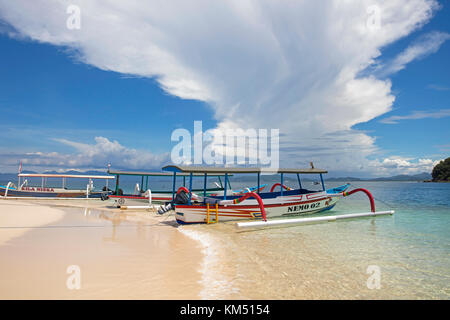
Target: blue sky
x=47 y=94
x=423 y=85
x=60 y=89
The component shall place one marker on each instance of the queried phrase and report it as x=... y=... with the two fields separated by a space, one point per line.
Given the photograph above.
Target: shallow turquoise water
x=413 y=246
x=330 y=260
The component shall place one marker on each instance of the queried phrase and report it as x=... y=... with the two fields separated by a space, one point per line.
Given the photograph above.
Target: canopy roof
x=153 y=174
x=218 y=170
x=43 y=175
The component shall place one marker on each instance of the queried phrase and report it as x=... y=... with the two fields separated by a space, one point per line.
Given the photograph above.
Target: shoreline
x=217 y=282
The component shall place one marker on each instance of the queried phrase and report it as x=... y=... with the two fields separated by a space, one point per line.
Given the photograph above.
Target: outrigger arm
x=347 y=193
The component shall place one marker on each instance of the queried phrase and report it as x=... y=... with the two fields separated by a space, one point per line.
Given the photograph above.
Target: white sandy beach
x=16 y=215
x=120 y=255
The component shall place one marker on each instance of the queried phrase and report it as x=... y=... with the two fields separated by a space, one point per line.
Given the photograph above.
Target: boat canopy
x=191 y=170
x=39 y=175
x=152 y=174
x=237 y=170
x=147 y=174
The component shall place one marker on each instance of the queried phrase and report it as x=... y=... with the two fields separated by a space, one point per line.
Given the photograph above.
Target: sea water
x=404 y=256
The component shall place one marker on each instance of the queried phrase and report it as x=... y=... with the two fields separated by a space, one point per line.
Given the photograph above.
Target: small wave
x=216 y=285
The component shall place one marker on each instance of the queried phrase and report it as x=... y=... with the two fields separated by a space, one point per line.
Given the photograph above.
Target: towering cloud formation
x=291 y=65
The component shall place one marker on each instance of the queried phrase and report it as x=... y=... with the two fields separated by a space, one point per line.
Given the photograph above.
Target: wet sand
x=120 y=255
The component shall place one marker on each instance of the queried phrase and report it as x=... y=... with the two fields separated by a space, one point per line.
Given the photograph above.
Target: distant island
x=401 y=177
x=441 y=172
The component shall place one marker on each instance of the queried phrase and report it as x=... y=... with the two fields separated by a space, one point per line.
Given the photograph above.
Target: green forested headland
x=441 y=172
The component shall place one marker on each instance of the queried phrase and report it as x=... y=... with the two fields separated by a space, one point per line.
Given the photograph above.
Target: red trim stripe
x=139 y=198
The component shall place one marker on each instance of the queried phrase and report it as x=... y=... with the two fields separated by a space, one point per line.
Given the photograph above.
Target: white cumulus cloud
x=417 y=115
x=424 y=46
x=402 y=165
x=85 y=156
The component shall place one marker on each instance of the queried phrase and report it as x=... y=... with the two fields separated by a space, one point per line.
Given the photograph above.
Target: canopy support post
x=257 y=186
x=173 y=186
x=323 y=184
x=117 y=184
x=190 y=188
x=282 y=185
x=204 y=189
x=299 y=181
x=225 y=190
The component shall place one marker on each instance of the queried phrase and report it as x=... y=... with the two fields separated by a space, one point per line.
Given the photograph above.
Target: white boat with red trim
x=46 y=190
x=192 y=208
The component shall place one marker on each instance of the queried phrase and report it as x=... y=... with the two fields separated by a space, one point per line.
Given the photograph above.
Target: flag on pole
x=20 y=167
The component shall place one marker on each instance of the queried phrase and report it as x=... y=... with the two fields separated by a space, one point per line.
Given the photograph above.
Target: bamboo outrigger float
x=192 y=208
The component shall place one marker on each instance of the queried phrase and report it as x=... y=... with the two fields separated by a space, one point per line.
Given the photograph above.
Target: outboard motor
x=165 y=208
x=105 y=194
x=182 y=197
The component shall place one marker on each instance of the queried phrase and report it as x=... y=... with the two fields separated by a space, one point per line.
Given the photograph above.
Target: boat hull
x=249 y=209
x=36 y=192
x=156 y=198
x=160 y=197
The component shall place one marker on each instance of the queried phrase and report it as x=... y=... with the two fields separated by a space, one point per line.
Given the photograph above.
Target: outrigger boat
x=163 y=196
x=192 y=208
x=43 y=190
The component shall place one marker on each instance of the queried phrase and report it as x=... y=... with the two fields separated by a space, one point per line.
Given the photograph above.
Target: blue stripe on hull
x=327 y=208
x=182 y=222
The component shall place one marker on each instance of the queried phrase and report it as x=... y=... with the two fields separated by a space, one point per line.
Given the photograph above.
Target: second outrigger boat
x=163 y=196
x=192 y=208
